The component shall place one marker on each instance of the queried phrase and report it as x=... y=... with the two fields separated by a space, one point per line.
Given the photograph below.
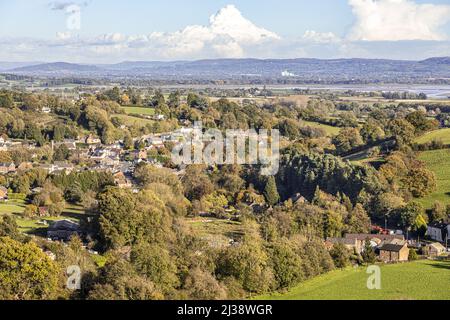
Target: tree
x=26 y=273
x=347 y=139
x=421 y=123
x=9 y=227
x=358 y=221
x=62 y=153
x=412 y=256
x=340 y=255
x=439 y=212
x=368 y=254
x=371 y=132
x=156 y=264
x=271 y=191
x=420 y=182
x=201 y=285
x=286 y=264
x=411 y=216
x=402 y=131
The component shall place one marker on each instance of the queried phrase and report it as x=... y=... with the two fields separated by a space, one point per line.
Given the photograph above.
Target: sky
x=108 y=31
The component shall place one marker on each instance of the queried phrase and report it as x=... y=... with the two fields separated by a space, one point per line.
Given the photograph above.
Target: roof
x=438 y=225
x=383 y=237
x=437 y=246
x=64 y=225
x=344 y=241
x=392 y=247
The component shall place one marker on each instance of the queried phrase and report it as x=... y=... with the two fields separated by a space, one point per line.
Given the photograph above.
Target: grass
x=216 y=231
x=134 y=121
x=139 y=110
x=439 y=135
x=439 y=162
x=330 y=130
x=421 y=280
x=34 y=226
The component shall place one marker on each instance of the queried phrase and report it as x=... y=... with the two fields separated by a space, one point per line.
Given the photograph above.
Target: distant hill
x=12 y=65
x=289 y=70
x=56 y=67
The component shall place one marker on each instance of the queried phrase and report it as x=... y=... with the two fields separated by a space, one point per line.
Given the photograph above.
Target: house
x=92 y=140
x=46 y=110
x=434 y=249
x=63 y=230
x=352 y=244
x=439 y=232
x=3 y=194
x=57 y=167
x=7 y=168
x=390 y=252
x=43 y=211
x=121 y=180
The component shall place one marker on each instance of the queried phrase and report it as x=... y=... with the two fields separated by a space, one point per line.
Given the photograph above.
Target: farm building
x=434 y=249
x=390 y=252
x=63 y=230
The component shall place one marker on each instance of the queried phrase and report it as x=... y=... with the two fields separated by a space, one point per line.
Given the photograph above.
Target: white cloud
x=395 y=20
x=321 y=37
x=226 y=36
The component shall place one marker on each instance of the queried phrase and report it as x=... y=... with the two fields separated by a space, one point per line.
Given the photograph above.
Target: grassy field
x=439 y=162
x=422 y=280
x=34 y=226
x=216 y=231
x=331 y=131
x=134 y=121
x=139 y=110
x=439 y=135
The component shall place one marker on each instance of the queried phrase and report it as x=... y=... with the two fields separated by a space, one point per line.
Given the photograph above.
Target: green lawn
x=33 y=226
x=439 y=162
x=440 y=135
x=139 y=110
x=330 y=130
x=422 y=280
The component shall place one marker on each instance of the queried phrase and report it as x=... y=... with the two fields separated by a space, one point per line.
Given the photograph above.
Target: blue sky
x=115 y=30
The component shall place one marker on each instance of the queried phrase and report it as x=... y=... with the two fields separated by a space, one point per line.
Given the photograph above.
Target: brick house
x=3 y=193
x=7 y=168
x=391 y=252
x=434 y=249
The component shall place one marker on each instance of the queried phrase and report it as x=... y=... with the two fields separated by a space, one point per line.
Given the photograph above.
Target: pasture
x=438 y=161
x=420 y=280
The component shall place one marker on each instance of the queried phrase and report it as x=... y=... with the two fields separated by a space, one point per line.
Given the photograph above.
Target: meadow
x=330 y=130
x=146 y=111
x=442 y=135
x=420 y=280
x=439 y=162
x=35 y=226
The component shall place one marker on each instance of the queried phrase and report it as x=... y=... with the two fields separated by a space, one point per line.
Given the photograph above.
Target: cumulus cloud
x=396 y=20
x=227 y=34
x=64 y=5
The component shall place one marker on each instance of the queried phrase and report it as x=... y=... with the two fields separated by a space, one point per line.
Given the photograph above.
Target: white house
x=439 y=231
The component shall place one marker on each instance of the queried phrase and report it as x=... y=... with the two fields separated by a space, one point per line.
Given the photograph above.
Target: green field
x=422 y=280
x=33 y=226
x=439 y=162
x=330 y=130
x=216 y=231
x=139 y=110
x=442 y=135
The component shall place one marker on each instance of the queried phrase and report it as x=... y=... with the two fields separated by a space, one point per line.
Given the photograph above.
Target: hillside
x=290 y=70
x=421 y=280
